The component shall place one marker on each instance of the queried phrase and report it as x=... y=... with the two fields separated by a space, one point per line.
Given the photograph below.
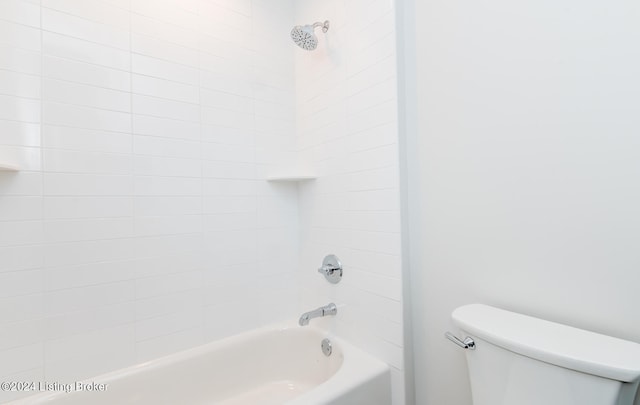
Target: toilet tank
x=522 y=360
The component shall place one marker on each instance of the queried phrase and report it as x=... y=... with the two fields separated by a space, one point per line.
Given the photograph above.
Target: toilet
x=514 y=359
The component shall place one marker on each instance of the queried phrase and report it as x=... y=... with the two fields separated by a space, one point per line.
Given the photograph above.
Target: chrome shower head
x=305 y=37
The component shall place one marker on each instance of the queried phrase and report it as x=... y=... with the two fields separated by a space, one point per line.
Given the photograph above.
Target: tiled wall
x=347 y=131
x=140 y=222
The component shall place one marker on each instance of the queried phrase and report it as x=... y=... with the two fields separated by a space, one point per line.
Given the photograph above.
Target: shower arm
x=324 y=26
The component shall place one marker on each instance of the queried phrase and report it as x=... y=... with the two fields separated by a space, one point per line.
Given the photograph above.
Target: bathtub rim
x=357 y=366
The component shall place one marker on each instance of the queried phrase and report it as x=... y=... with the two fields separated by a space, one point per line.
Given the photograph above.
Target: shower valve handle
x=331 y=269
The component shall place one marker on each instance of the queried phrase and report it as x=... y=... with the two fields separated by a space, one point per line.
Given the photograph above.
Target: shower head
x=305 y=37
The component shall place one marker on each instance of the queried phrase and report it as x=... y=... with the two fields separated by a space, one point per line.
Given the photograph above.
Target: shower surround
x=140 y=222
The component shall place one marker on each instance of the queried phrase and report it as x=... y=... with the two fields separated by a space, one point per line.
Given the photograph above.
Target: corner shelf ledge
x=291 y=178
x=5 y=167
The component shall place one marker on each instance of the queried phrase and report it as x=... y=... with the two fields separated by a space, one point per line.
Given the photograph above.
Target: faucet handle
x=331 y=269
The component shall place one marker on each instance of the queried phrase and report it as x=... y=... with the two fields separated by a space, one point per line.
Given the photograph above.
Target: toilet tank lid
x=551 y=342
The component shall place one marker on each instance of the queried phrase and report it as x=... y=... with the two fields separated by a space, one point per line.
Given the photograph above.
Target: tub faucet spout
x=329 y=309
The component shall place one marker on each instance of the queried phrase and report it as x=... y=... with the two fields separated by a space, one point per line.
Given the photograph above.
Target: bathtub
x=268 y=366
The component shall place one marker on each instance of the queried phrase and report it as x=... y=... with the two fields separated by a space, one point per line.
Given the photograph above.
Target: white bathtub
x=268 y=366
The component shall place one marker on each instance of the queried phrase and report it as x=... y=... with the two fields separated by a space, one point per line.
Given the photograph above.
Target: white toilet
x=515 y=359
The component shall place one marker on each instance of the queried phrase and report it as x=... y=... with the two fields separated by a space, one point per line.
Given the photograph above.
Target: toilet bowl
x=514 y=359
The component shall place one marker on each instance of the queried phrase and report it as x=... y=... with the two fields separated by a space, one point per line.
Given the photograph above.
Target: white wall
x=140 y=222
x=525 y=194
x=347 y=133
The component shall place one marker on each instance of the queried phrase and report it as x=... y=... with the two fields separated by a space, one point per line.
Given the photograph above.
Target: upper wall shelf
x=291 y=178
x=5 y=167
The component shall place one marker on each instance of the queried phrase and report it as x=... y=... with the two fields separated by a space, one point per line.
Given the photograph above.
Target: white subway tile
x=72 y=26
x=85 y=117
x=240 y=6
x=21 y=233
x=22 y=183
x=229 y=170
x=381 y=114
x=187 y=260
x=167 y=344
x=83 y=95
x=372 y=96
x=168 y=284
x=227 y=135
x=72 y=253
x=230 y=221
x=20 y=60
x=25 y=158
x=175 y=302
x=70 y=184
x=92 y=319
x=230 y=318
x=19 y=133
x=167 y=245
x=163 y=108
x=67 y=161
x=228 y=153
x=371 y=55
x=167 y=324
x=19 y=84
x=158 y=206
x=87 y=229
x=167 y=186
x=230 y=187
x=19 y=309
x=162 y=69
x=86 y=73
x=168 y=225
x=387 y=330
x=155 y=146
x=84 y=275
x=167 y=11
x=229 y=101
x=20 y=359
x=85 y=140
x=17 y=283
x=54 y=44
x=224 y=49
x=20 y=333
x=225 y=83
x=114 y=15
x=386 y=308
x=87 y=207
x=152 y=86
x=229 y=204
x=20 y=12
x=20 y=208
x=228 y=33
x=217 y=14
x=20 y=36
x=78 y=299
x=16 y=258
x=163 y=127
x=156 y=48
x=227 y=118
x=165 y=32
x=19 y=109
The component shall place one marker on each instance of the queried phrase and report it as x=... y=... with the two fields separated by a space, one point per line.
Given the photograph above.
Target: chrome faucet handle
x=331 y=269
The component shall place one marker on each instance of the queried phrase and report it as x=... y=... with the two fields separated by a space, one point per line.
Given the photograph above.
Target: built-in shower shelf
x=291 y=177
x=6 y=167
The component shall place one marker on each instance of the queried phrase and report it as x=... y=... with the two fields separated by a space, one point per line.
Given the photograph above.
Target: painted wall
x=346 y=118
x=140 y=222
x=524 y=193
